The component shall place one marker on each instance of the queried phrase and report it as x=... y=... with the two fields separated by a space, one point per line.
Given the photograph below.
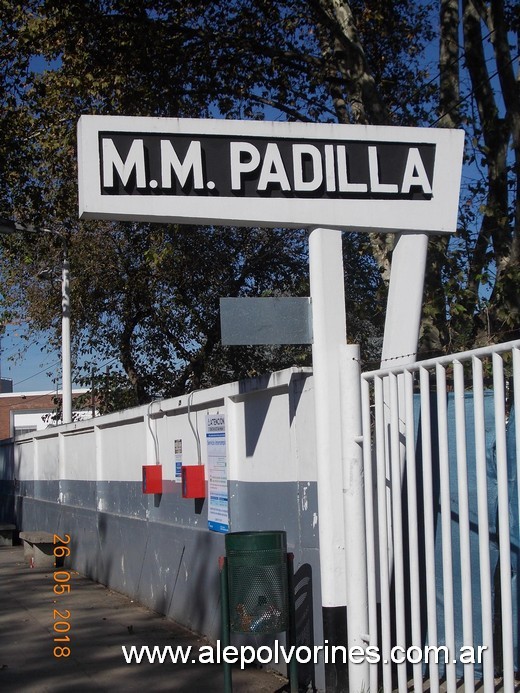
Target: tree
x=325 y=60
x=158 y=315
x=475 y=279
x=472 y=285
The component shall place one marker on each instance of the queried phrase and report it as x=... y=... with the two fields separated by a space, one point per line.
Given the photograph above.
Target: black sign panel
x=154 y=164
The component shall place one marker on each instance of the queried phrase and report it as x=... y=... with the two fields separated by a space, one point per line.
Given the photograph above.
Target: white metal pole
x=429 y=529
x=383 y=534
x=329 y=337
x=464 y=520
x=396 y=450
x=65 y=342
x=354 y=510
x=504 y=537
x=413 y=527
x=446 y=551
x=370 y=529
x=486 y=603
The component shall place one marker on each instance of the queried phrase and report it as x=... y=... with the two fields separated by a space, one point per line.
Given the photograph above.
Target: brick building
x=23 y=412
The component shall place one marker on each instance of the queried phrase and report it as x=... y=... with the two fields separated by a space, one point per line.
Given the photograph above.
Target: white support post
x=337 y=392
x=404 y=306
x=400 y=342
x=354 y=510
x=329 y=337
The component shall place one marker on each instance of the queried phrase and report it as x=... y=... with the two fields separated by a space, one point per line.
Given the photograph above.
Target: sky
x=34 y=370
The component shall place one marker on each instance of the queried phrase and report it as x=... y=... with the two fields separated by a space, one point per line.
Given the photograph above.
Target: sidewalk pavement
x=101 y=622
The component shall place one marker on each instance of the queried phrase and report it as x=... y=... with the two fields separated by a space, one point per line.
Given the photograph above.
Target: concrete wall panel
x=85 y=480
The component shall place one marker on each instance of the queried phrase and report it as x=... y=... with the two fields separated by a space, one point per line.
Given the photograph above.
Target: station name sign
x=269 y=174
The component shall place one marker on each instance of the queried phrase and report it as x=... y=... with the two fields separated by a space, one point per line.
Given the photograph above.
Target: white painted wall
x=84 y=479
x=266 y=441
x=39 y=420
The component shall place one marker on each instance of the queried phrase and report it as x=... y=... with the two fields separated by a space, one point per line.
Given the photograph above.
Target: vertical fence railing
x=464 y=518
x=441 y=442
x=483 y=516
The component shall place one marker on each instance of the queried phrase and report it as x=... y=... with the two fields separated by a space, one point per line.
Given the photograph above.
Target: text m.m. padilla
x=258 y=167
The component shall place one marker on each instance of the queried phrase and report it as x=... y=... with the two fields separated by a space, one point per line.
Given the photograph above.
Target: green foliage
x=145 y=297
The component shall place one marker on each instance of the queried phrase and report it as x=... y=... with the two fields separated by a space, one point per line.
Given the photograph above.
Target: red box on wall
x=193 y=481
x=152 y=478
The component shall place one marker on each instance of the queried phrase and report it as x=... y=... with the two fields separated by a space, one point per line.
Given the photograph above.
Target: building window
x=23 y=429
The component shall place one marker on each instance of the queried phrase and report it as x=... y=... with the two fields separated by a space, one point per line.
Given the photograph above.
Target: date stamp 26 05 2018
x=61 y=616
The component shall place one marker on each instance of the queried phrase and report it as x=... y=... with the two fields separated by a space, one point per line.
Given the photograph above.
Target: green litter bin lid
x=256 y=541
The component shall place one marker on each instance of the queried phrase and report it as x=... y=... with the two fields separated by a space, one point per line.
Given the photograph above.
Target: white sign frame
x=438 y=214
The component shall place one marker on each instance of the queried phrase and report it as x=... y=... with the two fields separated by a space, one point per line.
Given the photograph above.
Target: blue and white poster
x=178 y=460
x=218 y=508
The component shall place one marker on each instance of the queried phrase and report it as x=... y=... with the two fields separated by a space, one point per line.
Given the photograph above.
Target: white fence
x=441 y=443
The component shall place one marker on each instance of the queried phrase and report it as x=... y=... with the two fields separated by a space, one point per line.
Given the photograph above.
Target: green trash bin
x=257 y=582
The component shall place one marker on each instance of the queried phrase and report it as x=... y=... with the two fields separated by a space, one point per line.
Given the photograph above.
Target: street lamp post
x=9 y=227
x=66 y=371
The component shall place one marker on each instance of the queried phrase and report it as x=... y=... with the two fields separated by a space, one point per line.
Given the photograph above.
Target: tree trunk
x=496 y=230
